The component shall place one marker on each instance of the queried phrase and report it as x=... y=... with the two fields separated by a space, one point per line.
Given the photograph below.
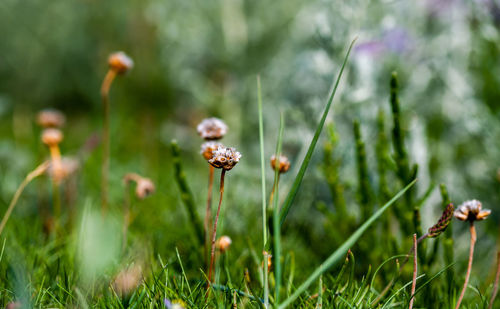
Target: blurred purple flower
x=395 y=40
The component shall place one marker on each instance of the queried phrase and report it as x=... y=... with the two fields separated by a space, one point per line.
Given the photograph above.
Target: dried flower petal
x=442 y=223
x=283 y=164
x=120 y=62
x=208 y=148
x=225 y=157
x=212 y=128
x=471 y=211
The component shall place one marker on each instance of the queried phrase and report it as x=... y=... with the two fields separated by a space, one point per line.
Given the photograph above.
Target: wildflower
x=443 y=222
x=283 y=164
x=223 y=243
x=208 y=148
x=212 y=129
x=52 y=137
x=127 y=280
x=50 y=118
x=144 y=186
x=471 y=211
x=120 y=62
x=175 y=304
x=225 y=158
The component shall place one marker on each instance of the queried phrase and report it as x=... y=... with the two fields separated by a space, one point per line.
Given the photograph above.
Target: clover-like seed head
x=208 y=148
x=443 y=222
x=283 y=164
x=52 y=137
x=120 y=62
x=212 y=129
x=471 y=211
x=225 y=157
x=50 y=118
x=223 y=243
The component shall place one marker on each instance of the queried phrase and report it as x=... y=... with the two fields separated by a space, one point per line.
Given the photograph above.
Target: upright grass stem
x=106 y=85
x=473 y=238
x=39 y=170
x=214 y=231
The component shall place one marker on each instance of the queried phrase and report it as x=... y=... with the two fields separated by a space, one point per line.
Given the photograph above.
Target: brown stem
x=469 y=266
x=208 y=213
x=214 y=232
x=414 y=281
x=33 y=174
x=106 y=84
x=495 y=286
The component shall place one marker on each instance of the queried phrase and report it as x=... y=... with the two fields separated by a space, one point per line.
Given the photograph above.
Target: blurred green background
x=196 y=59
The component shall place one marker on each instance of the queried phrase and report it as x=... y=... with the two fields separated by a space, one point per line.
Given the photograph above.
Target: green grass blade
x=341 y=251
x=300 y=175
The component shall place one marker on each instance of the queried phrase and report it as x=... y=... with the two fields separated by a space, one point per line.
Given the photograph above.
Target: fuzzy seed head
x=225 y=157
x=120 y=62
x=471 y=211
x=283 y=164
x=127 y=280
x=52 y=137
x=223 y=243
x=50 y=118
x=443 y=222
x=208 y=148
x=212 y=129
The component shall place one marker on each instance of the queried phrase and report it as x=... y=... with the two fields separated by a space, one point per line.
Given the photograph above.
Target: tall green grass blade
x=339 y=253
x=399 y=291
x=300 y=175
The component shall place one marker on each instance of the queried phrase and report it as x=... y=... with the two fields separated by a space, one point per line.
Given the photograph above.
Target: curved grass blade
x=300 y=175
x=341 y=251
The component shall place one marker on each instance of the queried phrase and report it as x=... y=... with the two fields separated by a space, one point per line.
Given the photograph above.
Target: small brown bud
x=208 y=148
x=443 y=222
x=52 y=137
x=283 y=165
x=223 y=243
x=471 y=211
x=212 y=129
x=120 y=62
x=225 y=157
x=50 y=118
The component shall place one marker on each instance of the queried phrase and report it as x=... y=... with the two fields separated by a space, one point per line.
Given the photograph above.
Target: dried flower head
x=127 y=280
x=225 y=157
x=144 y=188
x=471 y=211
x=52 y=137
x=443 y=222
x=120 y=62
x=68 y=167
x=283 y=165
x=175 y=304
x=50 y=118
x=208 y=148
x=223 y=243
x=212 y=128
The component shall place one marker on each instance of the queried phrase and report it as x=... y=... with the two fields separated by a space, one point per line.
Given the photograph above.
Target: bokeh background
x=196 y=59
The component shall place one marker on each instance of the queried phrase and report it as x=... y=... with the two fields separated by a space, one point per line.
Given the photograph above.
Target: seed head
x=208 y=148
x=127 y=280
x=443 y=222
x=52 y=137
x=225 y=157
x=50 y=118
x=471 y=211
x=120 y=62
x=283 y=165
x=212 y=128
x=223 y=243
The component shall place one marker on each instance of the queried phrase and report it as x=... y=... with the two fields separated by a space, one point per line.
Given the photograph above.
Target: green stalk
x=305 y=163
x=341 y=251
x=365 y=190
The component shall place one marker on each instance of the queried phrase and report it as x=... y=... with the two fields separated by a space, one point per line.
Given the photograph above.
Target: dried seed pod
x=52 y=137
x=443 y=222
x=127 y=280
x=283 y=164
x=212 y=129
x=208 y=148
x=50 y=118
x=225 y=157
x=223 y=243
x=120 y=62
x=471 y=211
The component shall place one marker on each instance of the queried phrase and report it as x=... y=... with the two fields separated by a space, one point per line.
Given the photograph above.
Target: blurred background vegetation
x=196 y=59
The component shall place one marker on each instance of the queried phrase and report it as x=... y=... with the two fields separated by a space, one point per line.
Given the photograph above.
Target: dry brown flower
x=208 y=148
x=144 y=186
x=283 y=164
x=225 y=158
x=223 y=243
x=212 y=129
x=471 y=211
x=50 y=118
x=52 y=137
x=120 y=62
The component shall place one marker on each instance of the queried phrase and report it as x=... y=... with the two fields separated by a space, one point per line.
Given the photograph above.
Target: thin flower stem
x=495 y=286
x=414 y=282
x=55 y=155
x=106 y=84
x=33 y=174
x=214 y=232
x=208 y=213
x=469 y=266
